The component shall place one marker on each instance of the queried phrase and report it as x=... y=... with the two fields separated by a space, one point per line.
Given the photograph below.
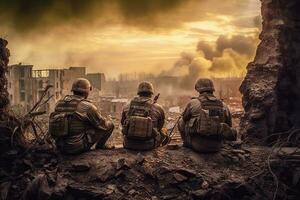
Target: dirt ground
x=239 y=171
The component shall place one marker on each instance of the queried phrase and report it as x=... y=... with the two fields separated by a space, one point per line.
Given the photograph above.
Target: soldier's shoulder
x=126 y=106
x=158 y=107
x=87 y=104
x=194 y=100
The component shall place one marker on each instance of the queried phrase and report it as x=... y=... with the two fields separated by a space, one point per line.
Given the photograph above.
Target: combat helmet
x=204 y=85
x=145 y=87
x=81 y=85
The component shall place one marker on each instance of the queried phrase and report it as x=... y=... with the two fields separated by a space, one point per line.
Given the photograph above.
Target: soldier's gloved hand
x=166 y=141
x=109 y=125
x=227 y=132
x=165 y=137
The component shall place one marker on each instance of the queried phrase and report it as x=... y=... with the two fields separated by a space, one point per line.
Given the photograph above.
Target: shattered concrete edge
x=4 y=59
x=271 y=88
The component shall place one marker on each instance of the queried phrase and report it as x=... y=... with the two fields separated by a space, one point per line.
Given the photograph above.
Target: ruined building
x=271 y=89
x=20 y=85
x=26 y=85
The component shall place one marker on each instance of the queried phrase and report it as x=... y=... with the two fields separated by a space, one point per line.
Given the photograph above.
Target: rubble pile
x=171 y=172
x=271 y=87
x=285 y=162
x=165 y=173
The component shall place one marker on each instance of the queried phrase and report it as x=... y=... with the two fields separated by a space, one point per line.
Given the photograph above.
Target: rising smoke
x=228 y=56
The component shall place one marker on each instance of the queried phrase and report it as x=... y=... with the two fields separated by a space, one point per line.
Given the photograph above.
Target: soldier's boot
x=182 y=132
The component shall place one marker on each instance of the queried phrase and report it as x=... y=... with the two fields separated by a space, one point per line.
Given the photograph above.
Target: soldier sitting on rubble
x=76 y=124
x=206 y=120
x=143 y=120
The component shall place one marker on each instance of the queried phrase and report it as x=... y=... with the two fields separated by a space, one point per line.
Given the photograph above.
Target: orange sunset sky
x=218 y=37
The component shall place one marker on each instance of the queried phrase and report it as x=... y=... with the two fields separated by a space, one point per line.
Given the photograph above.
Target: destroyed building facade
x=271 y=89
x=26 y=85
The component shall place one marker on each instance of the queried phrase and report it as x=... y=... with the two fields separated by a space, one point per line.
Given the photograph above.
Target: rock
x=204 y=185
x=38 y=189
x=80 y=166
x=154 y=198
x=179 y=178
x=241 y=157
x=238 y=151
x=4 y=189
x=235 y=159
x=169 y=196
x=4 y=59
x=120 y=173
x=173 y=146
x=105 y=174
x=110 y=189
x=187 y=172
x=132 y=191
x=122 y=163
x=271 y=87
x=148 y=170
x=79 y=191
x=198 y=194
x=140 y=159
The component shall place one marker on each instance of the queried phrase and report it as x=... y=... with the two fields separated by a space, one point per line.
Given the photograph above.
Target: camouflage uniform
x=157 y=116
x=86 y=126
x=194 y=108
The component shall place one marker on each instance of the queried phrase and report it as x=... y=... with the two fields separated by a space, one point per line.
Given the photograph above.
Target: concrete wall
x=20 y=85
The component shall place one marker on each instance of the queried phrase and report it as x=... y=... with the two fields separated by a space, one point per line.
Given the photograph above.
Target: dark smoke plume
x=26 y=15
x=227 y=56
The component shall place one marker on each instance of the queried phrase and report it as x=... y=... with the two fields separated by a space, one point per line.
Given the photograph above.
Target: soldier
x=143 y=120
x=76 y=124
x=206 y=120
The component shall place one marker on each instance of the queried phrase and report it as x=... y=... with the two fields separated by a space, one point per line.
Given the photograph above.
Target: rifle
x=173 y=128
x=156 y=98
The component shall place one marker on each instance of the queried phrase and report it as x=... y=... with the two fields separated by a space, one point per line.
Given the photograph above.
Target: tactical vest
x=60 y=120
x=208 y=121
x=138 y=124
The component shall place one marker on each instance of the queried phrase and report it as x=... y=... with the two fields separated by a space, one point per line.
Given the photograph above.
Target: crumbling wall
x=271 y=89
x=4 y=59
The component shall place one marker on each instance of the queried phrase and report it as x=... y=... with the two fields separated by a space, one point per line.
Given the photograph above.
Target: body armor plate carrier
x=139 y=125
x=208 y=122
x=59 y=120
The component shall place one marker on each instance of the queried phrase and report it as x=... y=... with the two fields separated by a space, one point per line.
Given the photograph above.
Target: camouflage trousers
x=144 y=145
x=90 y=138
x=198 y=143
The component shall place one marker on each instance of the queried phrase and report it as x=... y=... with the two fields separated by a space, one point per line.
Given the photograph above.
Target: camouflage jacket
x=86 y=118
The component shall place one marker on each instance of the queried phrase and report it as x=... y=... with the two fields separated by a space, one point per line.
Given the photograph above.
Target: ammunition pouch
x=58 y=125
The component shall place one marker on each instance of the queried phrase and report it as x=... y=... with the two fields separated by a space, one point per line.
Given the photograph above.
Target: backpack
x=139 y=125
x=208 y=122
x=59 y=119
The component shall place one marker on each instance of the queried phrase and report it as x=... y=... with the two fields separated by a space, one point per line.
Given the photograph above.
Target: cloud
x=239 y=43
x=32 y=15
x=120 y=36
